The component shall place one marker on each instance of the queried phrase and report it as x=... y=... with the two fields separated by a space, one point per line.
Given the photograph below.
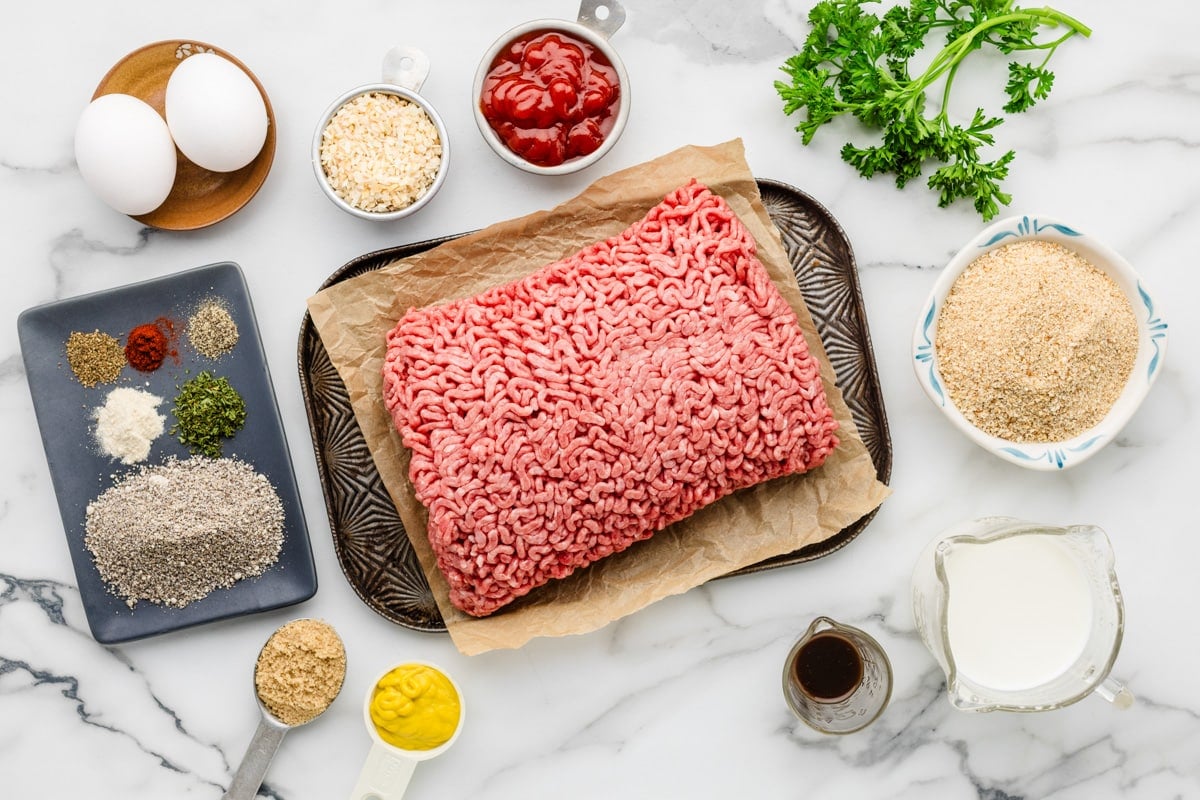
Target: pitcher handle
x=1116 y=693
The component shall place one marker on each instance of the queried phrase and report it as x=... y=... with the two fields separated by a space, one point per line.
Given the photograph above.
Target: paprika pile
x=147 y=346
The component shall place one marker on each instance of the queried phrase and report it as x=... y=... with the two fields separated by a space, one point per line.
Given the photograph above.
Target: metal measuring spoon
x=270 y=732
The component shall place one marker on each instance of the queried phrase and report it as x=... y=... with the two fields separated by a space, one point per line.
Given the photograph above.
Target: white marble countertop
x=681 y=699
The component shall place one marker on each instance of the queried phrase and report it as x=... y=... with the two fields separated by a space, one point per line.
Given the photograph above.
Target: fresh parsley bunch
x=854 y=62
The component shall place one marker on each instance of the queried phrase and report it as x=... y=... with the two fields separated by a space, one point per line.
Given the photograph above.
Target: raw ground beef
x=559 y=419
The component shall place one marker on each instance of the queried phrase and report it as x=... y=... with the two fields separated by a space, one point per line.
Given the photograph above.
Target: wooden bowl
x=199 y=197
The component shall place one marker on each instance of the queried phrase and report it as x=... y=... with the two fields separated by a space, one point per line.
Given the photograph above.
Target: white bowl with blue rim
x=1152 y=342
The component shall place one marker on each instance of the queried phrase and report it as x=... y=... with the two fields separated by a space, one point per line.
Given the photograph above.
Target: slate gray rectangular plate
x=80 y=472
x=368 y=535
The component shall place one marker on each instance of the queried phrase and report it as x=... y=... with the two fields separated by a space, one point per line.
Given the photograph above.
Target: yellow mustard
x=415 y=707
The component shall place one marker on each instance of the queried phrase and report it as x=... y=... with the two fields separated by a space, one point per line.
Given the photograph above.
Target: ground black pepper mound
x=211 y=330
x=173 y=533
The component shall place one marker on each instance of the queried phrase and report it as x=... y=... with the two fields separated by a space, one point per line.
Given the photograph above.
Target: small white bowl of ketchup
x=552 y=96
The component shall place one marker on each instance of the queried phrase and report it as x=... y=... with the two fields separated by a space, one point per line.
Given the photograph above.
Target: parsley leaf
x=1026 y=85
x=857 y=63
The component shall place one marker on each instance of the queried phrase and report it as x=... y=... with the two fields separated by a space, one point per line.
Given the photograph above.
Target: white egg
x=125 y=154
x=216 y=113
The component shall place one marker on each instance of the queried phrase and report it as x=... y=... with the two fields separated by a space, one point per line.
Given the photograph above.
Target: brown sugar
x=300 y=671
x=1035 y=344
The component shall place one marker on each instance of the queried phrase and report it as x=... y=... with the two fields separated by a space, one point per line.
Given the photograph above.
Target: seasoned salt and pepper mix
x=1034 y=344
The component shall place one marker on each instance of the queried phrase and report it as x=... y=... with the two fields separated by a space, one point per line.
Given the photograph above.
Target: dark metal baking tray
x=80 y=473
x=368 y=535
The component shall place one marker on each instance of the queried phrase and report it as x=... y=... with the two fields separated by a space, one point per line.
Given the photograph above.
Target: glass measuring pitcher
x=1021 y=616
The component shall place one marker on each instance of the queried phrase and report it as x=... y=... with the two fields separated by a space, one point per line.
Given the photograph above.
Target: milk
x=1020 y=610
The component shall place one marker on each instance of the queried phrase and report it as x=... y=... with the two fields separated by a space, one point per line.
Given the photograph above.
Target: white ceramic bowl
x=594 y=32
x=1152 y=342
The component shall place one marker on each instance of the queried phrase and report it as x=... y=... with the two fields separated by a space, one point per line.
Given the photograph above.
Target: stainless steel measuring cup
x=403 y=74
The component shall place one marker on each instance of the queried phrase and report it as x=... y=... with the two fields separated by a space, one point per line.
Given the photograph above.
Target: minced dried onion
x=380 y=152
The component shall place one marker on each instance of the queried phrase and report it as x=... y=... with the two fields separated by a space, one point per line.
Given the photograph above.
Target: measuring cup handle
x=406 y=66
x=1115 y=692
x=613 y=19
x=384 y=776
x=253 y=769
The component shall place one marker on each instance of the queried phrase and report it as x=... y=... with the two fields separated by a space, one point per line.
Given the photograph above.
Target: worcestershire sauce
x=828 y=668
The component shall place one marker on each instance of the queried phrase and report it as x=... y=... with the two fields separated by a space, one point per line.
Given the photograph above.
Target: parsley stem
x=1051 y=46
x=946 y=90
x=958 y=49
x=948 y=60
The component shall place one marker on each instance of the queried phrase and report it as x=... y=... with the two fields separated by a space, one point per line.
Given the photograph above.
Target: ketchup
x=550 y=97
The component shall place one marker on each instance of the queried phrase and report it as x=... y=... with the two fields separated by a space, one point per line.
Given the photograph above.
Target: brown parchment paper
x=353 y=317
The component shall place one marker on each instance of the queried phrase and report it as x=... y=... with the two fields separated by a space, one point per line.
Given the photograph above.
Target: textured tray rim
x=871 y=395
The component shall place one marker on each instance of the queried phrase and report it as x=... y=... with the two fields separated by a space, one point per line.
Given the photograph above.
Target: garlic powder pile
x=128 y=423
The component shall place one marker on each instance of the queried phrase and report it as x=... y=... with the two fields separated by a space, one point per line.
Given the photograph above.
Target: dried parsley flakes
x=207 y=410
